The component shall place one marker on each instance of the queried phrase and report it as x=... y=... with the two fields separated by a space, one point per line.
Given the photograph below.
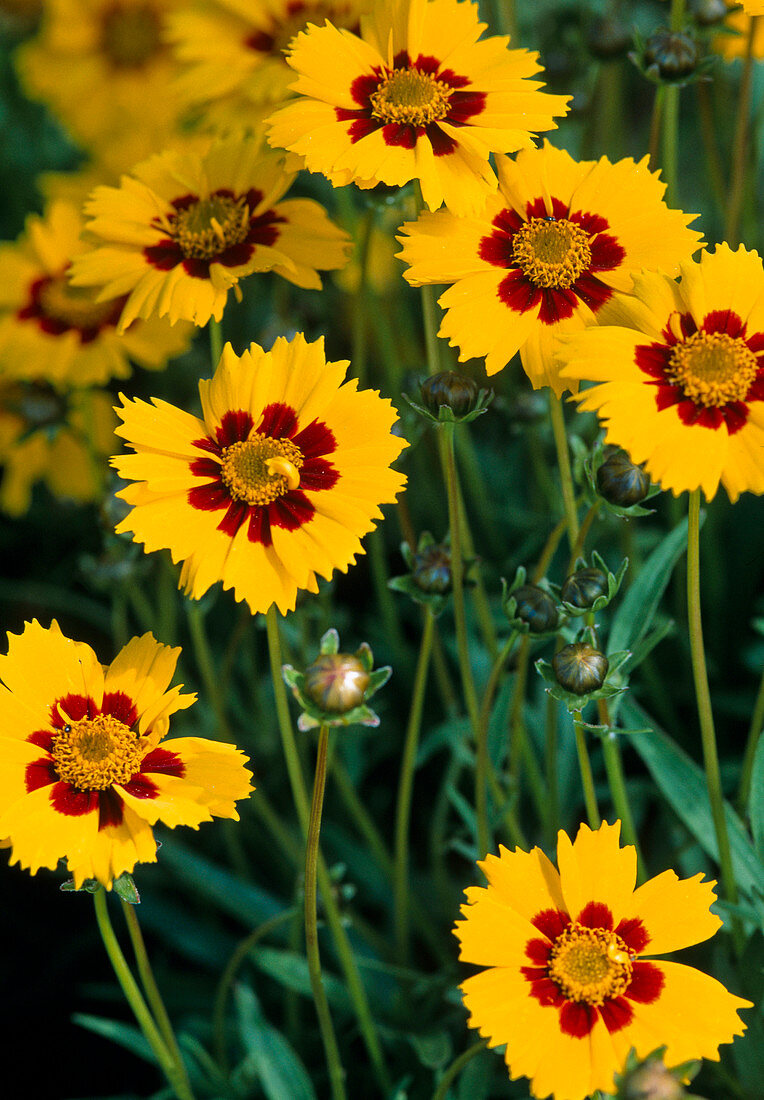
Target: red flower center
x=59 y=307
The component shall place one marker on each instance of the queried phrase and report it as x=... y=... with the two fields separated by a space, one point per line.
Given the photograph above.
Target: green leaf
x=124 y=1035
x=291 y=970
x=269 y=1057
x=636 y=613
x=434 y=1050
x=756 y=800
x=683 y=784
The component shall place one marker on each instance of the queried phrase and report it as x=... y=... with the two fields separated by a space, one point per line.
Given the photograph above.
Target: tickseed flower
x=680 y=369
x=60 y=439
x=52 y=330
x=567 y=987
x=275 y=485
x=544 y=255
x=86 y=770
x=731 y=46
x=232 y=53
x=178 y=233
x=103 y=69
x=416 y=96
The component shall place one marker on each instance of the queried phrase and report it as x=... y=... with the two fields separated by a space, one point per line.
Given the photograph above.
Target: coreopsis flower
x=185 y=227
x=732 y=46
x=274 y=486
x=753 y=7
x=86 y=770
x=568 y=987
x=415 y=96
x=59 y=438
x=52 y=330
x=680 y=373
x=234 y=71
x=103 y=69
x=544 y=254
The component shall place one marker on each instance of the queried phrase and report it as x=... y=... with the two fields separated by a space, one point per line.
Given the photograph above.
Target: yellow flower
x=103 y=68
x=233 y=52
x=681 y=373
x=544 y=255
x=416 y=96
x=276 y=484
x=60 y=439
x=731 y=46
x=567 y=988
x=84 y=777
x=52 y=330
x=184 y=228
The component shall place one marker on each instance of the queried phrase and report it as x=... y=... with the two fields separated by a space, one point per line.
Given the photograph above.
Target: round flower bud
x=608 y=38
x=621 y=482
x=652 y=1081
x=583 y=587
x=432 y=569
x=706 y=13
x=456 y=391
x=336 y=682
x=535 y=608
x=580 y=668
x=673 y=55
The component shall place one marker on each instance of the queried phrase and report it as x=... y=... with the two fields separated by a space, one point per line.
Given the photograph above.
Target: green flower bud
x=336 y=682
x=583 y=587
x=608 y=37
x=580 y=668
x=455 y=391
x=707 y=13
x=670 y=55
x=621 y=482
x=651 y=1081
x=536 y=608
x=432 y=569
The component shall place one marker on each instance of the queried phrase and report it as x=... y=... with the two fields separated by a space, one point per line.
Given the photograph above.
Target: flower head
x=680 y=369
x=731 y=46
x=567 y=987
x=416 y=96
x=52 y=330
x=84 y=774
x=276 y=484
x=178 y=233
x=544 y=255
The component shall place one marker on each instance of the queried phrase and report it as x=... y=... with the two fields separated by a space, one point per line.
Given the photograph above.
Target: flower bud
x=336 y=682
x=432 y=569
x=456 y=391
x=583 y=587
x=621 y=482
x=671 y=55
x=707 y=13
x=535 y=608
x=608 y=38
x=651 y=1081
x=580 y=668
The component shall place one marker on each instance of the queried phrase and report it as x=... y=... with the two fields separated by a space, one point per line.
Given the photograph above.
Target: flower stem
x=206 y=665
x=129 y=986
x=741 y=146
x=611 y=753
x=462 y=644
x=703 y=699
x=331 y=1050
x=754 y=733
x=151 y=990
x=456 y=1067
x=216 y=342
x=405 y=789
x=587 y=779
x=563 y=461
x=671 y=143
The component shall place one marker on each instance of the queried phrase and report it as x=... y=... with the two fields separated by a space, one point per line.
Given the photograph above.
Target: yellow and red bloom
x=731 y=46
x=275 y=485
x=567 y=986
x=544 y=254
x=52 y=330
x=680 y=369
x=85 y=774
x=235 y=72
x=184 y=228
x=416 y=96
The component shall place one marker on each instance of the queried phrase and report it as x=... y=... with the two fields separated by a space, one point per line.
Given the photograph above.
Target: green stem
x=551 y=767
x=334 y=920
x=151 y=989
x=462 y=644
x=229 y=974
x=741 y=145
x=703 y=700
x=714 y=170
x=360 y=303
x=456 y=1067
x=216 y=342
x=387 y=606
x=405 y=790
x=587 y=779
x=671 y=143
x=206 y=665
x=656 y=119
x=754 y=733
x=578 y=550
x=676 y=17
x=175 y=1073
x=563 y=460
x=611 y=752
x=331 y=1050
